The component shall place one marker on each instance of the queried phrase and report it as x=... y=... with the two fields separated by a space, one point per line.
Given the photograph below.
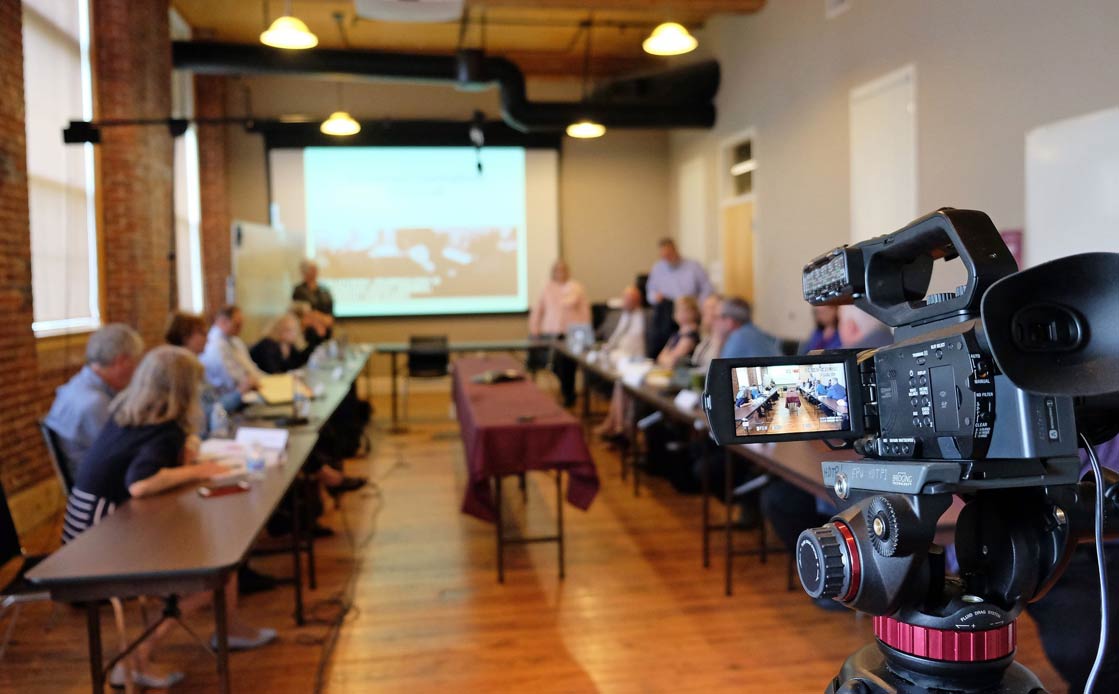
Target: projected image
x=418 y=230
x=790 y=399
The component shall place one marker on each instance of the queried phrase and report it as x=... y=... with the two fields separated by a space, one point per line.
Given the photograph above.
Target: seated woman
x=678 y=351
x=280 y=351
x=681 y=345
x=143 y=451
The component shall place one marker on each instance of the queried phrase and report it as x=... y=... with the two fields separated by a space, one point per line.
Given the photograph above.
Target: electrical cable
x=1104 y=611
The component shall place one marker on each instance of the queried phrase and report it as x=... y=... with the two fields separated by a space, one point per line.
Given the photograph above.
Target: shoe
x=143 y=680
x=263 y=637
x=348 y=484
x=250 y=581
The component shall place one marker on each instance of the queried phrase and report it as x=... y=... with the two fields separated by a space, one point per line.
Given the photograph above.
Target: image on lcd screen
x=790 y=399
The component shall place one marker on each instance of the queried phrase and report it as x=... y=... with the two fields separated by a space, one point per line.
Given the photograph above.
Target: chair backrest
x=428 y=355
x=58 y=458
x=9 y=537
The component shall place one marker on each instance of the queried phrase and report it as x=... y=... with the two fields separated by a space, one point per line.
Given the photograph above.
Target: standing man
x=311 y=291
x=671 y=278
x=81 y=405
x=563 y=303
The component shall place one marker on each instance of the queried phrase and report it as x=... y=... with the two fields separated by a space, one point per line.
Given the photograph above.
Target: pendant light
x=670 y=38
x=340 y=123
x=289 y=32
x=586 y=128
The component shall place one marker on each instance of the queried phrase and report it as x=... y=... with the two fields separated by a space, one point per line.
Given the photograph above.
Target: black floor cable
x=342 y=604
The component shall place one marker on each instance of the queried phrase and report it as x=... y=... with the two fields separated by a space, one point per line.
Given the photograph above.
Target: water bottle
x=254 y=463
x=300 y=405
x=219 y=422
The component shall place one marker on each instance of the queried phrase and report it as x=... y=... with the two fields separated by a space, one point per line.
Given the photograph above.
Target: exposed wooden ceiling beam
x=690 y=7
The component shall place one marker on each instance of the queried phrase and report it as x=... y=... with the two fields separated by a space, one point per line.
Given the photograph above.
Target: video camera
x=986 y=394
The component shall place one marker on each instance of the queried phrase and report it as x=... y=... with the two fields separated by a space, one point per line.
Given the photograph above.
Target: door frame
x=727 y=198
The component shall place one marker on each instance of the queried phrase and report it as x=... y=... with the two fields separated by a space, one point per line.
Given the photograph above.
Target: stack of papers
x=235 y=453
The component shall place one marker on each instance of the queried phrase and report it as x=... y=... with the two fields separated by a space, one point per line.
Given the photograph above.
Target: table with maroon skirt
x=510 y=428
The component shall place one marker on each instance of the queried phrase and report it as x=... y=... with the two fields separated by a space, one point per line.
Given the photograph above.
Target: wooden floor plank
x=637 y=612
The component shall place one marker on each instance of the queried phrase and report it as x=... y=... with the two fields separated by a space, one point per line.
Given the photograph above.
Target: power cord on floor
x=341 y=605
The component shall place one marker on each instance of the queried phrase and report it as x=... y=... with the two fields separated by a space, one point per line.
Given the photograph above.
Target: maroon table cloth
x=508 y=428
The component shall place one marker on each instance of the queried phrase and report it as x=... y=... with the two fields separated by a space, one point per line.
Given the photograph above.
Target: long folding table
x=179 y=542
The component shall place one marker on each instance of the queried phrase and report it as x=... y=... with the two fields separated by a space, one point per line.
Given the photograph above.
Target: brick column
x=132 y=79
x=22 y=456
x=209 y=102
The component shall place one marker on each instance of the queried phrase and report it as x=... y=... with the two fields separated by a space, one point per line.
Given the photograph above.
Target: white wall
x=988 y=72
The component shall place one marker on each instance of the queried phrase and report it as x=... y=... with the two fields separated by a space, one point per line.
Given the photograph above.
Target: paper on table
x=634 y=374
x=268 y=439
x=278 y=389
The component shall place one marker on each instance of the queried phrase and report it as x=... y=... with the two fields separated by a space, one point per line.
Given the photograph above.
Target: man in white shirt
x=226 y=359
x=628 y=338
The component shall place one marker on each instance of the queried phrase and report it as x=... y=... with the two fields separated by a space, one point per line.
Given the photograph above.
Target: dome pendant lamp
x=670 y=38
x=289 y=32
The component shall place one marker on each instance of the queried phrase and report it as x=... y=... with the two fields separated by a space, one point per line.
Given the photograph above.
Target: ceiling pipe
x=680 y=98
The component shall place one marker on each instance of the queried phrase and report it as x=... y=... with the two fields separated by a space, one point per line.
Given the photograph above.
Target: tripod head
x=937 y=631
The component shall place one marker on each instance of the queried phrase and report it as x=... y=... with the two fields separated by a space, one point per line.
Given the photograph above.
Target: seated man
x=229 y=368
x=628 y=338
x=81 y=405
x=837 y=392
x=821 y=389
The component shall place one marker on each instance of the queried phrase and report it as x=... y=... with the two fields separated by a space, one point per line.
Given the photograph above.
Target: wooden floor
x=637 y=612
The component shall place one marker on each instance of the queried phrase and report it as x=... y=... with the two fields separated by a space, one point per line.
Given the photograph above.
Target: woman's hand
x=208 y=469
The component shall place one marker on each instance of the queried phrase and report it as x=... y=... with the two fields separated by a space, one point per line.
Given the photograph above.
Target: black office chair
x=429 y=356
x=18 y=590
x=57 y=458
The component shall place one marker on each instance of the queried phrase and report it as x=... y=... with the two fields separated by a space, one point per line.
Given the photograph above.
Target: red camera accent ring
x=853 y=554
x=951 y=646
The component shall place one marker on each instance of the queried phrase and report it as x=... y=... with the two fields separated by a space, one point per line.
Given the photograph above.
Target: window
x=60 y=181
x=187 y=197
x=742 y=166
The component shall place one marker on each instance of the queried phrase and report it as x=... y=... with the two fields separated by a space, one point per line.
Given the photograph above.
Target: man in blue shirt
x=81 y=405
x=744 y=339
x=821 y=389
x=671 y=278
x=836 y=391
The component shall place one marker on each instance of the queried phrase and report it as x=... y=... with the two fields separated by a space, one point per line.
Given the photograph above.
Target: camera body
x=984 y=396
x=936 y=393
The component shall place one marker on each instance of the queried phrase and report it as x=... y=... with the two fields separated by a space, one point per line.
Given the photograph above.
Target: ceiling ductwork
x=678 y=98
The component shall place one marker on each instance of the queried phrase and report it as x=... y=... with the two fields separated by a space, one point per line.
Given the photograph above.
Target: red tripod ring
x=942 y=644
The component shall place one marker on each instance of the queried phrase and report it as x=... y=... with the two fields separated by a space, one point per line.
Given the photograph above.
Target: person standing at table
x=311 y=291
x=143 y=451
x=81 y=405
x=562 y=303
x=229 y=368
x=672 y=277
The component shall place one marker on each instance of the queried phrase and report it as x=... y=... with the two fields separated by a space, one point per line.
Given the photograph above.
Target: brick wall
x=132 y=68
x=132 y=78
x=209 y=102
x=22 y=457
